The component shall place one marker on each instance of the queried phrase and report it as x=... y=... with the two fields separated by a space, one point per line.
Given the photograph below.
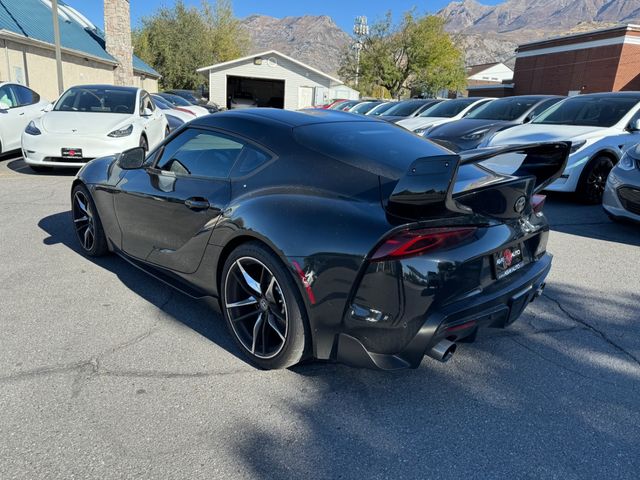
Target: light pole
x=360 y=30
x=56 y=41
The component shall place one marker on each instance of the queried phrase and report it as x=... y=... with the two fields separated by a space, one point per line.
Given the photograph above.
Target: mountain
x=315 y=40
x=515 y=16
x=491 y=33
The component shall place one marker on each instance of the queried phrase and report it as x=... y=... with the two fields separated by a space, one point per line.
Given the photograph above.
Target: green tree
x=415 y=55
x=177 y=41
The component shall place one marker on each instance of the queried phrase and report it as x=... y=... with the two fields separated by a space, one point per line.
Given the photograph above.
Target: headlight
x=476 y=135
x=627 y=162
x=32 y=129
x=122 y=132
x=575 y=146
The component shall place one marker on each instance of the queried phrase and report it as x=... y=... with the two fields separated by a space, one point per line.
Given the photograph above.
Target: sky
x=342 y=11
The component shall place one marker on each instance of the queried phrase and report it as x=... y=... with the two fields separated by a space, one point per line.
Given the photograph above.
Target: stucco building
x=88 y=54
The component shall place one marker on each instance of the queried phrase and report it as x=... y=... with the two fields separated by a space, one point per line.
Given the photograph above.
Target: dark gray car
x=479 y=126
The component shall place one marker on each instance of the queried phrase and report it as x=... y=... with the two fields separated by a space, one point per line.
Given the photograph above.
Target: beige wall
x=37 y=68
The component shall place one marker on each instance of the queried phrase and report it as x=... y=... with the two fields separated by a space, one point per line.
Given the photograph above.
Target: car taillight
x=185 y=110
x=537 y=202
x=411 y=243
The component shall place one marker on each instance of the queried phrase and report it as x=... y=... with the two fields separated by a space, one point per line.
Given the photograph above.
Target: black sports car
x=477 y=128
x=327 y=235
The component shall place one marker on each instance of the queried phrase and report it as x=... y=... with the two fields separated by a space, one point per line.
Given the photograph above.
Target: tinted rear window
x=404 y=109
x=504 y=109
x=447 y=109
x=378 y=147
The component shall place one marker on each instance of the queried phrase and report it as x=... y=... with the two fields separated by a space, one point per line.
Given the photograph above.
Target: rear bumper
x=498 y=307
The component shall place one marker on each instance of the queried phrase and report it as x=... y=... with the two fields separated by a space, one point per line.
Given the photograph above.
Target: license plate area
x=508 y=260
x=71 y=153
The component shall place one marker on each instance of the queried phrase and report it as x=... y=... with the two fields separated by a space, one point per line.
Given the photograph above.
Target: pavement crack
x=45 y=371
x=590 y=327
x=558 y=364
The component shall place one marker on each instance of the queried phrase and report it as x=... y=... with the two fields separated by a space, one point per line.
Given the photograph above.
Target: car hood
x=533 y=132
x=422 y=122
x=82 y=123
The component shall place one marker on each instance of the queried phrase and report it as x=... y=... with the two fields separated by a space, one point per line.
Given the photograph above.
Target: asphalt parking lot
x=107 y=373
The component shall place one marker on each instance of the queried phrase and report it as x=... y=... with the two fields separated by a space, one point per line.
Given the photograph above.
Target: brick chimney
x=117 y=28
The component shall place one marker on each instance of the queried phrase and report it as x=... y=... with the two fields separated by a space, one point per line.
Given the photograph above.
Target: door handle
x=196 y=203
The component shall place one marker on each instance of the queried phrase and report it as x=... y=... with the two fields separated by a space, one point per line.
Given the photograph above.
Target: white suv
x=600 y=126
x=19 y=105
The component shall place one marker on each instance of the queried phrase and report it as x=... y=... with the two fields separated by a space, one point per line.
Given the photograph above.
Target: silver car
x=621 y=199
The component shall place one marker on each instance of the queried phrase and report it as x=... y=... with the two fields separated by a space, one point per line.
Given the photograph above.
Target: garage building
x=273 y=80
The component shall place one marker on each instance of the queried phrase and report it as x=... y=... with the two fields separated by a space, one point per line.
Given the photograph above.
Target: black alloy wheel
x=262 y=309
x=594 y=180
x=87 y=224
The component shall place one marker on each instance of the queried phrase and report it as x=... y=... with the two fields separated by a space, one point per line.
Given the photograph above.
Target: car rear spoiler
x=429 y=185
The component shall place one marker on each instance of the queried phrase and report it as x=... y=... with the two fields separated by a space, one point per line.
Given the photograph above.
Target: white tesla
x=443 y=112
x=18 y=106
x=91 y=121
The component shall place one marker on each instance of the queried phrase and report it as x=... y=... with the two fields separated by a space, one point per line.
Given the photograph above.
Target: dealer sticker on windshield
x=508 y=261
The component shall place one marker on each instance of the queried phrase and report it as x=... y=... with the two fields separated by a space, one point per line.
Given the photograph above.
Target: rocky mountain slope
x=315 y=40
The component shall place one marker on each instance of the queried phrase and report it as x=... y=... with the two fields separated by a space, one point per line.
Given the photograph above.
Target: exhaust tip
x=442 y=351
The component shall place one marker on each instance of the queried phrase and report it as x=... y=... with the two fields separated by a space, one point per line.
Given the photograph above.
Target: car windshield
x=187 y=95
x=175 y=100
x=597 y=111
x=404 y=109
x=381 y=109
x=448 y=109
x=507 y=109
x=161 y=103
x=97 y=100
x=364 y=107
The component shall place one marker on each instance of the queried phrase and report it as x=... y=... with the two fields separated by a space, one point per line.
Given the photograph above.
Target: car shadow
x=568 y=215
x=203 y=316
x=18 y=165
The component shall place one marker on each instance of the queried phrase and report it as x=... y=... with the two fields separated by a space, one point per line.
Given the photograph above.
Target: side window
x=200 y=153
x=7 y=97
x=145 y=102
x=25 y=96
x=250 y=159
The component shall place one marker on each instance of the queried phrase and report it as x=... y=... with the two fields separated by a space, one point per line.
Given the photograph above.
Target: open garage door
x=267 y=93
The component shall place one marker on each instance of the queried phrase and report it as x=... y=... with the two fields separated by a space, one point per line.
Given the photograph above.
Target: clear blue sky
x=342 y=11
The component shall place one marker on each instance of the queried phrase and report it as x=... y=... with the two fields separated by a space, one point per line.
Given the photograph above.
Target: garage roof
x=32 y=19
x=265 y=54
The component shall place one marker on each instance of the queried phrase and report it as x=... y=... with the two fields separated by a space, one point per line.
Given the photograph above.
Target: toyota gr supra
x=327 y=235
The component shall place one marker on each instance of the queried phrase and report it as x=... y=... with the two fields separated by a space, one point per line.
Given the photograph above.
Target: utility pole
x=360 y=30
x=56 y=40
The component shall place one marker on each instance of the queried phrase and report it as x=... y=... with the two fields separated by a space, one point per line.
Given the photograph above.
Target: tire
x=38 y=169
x=94 y=243
x=144 y=144
x=593 y=180
x=254 y=310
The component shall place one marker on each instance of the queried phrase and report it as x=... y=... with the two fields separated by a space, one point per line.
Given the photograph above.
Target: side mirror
x=132 y=159
x=634 y=126
x=48 y=108
x=147 y=112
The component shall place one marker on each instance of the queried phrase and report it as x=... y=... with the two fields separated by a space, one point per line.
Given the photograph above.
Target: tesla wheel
x=87 y=223
x=144 y=144
x=594 y=180
x=262 y=308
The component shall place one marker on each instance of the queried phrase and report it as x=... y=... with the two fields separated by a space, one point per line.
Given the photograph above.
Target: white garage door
x=305 y=97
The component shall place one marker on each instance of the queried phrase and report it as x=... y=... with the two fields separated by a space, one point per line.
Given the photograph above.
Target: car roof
x=110 y=87
x=610 y=95
x=286 y=117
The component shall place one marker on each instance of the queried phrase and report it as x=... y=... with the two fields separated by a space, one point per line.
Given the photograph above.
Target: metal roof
x=32 y=19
